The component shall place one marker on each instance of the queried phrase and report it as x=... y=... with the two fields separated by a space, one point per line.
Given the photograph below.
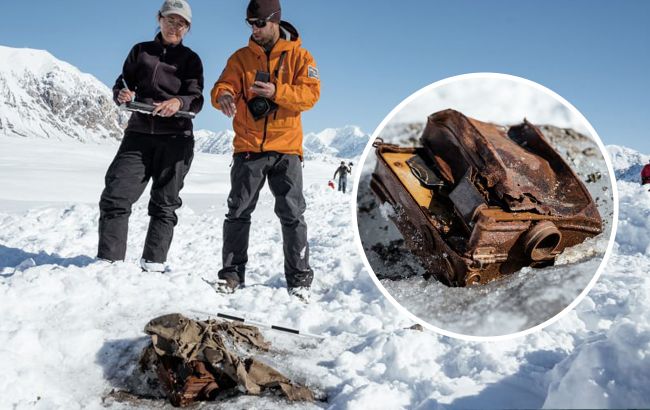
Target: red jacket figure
x=645 y=175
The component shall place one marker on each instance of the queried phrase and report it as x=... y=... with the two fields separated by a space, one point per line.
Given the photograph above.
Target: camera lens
x=259 y=107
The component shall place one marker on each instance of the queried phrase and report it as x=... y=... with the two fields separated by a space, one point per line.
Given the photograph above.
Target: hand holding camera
x=261 y=105
x=263 y=89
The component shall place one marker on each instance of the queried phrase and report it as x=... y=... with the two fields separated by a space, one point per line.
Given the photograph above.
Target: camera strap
x=276 y=73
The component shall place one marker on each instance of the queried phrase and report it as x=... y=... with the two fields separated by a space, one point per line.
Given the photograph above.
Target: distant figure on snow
x=645 y=174
x=160 y=147
x=342 y=171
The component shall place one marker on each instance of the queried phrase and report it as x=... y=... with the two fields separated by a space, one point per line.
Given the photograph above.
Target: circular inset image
x=486 y=206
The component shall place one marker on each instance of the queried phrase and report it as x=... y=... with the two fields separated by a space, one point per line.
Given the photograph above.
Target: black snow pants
x=165 y=159
x=247 y=176
x=343 y=182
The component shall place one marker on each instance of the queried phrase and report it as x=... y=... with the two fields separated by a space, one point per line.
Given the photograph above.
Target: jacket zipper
x=266 y=119
x=154 y=79
x=277 y=77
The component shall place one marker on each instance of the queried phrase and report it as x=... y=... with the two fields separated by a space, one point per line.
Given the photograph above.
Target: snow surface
x=72 y=327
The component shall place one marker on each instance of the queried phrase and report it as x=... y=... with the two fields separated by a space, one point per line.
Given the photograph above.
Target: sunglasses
x=260 y=23
x=176 y=24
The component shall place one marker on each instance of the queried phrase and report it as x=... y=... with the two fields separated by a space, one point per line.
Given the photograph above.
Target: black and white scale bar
x=259 y=324
x=285 y=329
x=229 y=317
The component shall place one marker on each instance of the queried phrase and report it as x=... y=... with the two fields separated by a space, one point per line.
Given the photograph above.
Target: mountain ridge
x=44 y=97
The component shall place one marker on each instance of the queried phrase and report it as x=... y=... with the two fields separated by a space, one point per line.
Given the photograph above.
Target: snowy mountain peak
x=345 y=142
x=211 y=142
x=44 y=97
x=627 y=162
x=39 y=62
x=329 y=135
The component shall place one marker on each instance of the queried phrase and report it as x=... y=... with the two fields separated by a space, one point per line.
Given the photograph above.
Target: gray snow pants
x=247 y=176
x=164 y=159
x=343 y=183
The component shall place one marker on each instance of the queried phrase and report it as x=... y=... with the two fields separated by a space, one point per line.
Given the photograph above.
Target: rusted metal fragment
x=479 y=201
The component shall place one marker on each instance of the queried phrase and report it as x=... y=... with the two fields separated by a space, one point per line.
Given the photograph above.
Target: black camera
x=261 y=107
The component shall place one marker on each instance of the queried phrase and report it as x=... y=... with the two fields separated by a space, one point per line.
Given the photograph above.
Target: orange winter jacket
x=297 y=89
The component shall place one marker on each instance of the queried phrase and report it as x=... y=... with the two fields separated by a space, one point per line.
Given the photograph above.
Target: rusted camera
x=478 y=201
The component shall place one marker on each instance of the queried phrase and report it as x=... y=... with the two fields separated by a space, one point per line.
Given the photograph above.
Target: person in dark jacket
x=160 y=146
x=342 y=171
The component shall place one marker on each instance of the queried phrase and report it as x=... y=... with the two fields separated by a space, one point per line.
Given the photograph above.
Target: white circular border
x=357 y=179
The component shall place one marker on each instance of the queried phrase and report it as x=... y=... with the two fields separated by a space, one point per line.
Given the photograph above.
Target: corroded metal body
x=479 y=201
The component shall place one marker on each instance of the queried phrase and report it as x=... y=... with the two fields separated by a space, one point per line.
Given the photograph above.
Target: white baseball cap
x=180 y=7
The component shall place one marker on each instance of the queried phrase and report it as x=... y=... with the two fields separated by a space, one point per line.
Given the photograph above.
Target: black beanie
x=262 y=9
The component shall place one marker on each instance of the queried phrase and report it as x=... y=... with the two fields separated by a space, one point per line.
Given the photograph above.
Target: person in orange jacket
x=265 y=87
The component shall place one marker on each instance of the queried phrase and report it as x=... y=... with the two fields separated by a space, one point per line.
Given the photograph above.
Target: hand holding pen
x=125 y=94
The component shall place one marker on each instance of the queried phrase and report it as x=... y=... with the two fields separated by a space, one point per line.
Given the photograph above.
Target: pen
x=127 y=87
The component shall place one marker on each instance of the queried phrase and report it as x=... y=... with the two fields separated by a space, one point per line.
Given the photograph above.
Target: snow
x=628 y=163
x=72 y=327
x=39 y=62
x=633 y=234
x=41 y=96
x=346 y=142
x=214 y=142
x=51 y=282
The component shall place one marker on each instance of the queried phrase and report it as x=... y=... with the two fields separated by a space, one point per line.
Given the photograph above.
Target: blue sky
x=373 y=54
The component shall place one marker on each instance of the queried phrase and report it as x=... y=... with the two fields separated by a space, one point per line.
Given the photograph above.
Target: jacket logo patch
x=312 y=72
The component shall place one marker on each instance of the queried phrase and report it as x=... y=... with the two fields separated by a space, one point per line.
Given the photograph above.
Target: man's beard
x=264 y=42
